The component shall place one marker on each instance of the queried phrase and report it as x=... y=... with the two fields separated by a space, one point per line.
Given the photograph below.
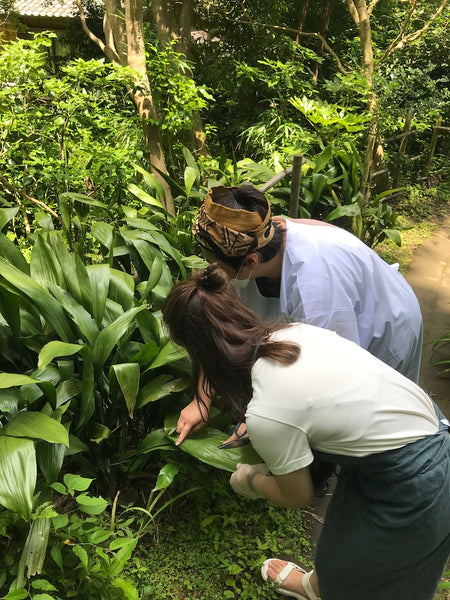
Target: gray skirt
x=386 y=534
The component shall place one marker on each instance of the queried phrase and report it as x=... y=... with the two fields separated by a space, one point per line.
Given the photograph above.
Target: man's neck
x=273 y=267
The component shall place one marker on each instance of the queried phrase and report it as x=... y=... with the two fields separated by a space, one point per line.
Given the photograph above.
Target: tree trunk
x=124 y=45
x=143 y=96
x=326 y=16
x=173 y=23
x=360 y=14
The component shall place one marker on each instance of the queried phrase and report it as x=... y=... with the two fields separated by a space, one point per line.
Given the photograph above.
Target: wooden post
x=401 y=151
x=295 y=185
x=274 y=180
x=433 y=141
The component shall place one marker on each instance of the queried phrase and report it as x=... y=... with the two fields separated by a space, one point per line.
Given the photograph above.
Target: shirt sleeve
x=284 y=448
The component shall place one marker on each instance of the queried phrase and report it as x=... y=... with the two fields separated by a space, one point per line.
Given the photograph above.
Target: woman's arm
x=293 y=490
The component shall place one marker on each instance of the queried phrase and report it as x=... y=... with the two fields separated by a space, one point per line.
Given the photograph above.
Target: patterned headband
x=234 y=232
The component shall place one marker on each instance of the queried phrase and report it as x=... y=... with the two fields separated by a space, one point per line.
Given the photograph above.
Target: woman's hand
x=293 y=490
x=242 y=479
x=190 y=420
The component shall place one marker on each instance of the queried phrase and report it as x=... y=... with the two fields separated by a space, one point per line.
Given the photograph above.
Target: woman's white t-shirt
x=336 y=398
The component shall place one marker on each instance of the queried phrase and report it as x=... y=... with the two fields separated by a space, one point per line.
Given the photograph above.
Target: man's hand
x=190 y=420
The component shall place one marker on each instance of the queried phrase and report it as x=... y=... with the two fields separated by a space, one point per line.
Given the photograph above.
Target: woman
x=304 y=392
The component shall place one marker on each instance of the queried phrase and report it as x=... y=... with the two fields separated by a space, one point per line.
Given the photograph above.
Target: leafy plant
x=441 y=347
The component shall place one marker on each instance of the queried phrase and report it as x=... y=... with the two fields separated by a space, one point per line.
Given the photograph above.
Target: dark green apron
x=387 y=529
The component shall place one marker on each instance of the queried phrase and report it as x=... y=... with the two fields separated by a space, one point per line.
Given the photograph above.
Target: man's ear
x=251 y=260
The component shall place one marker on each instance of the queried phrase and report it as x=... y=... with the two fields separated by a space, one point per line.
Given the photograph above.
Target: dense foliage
x=90 y=384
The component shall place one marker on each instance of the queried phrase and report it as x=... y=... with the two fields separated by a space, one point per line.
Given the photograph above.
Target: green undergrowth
x=421 y=212
x=212 y=545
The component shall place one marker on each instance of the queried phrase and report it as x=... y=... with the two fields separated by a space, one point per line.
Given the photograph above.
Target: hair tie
x=258 y=345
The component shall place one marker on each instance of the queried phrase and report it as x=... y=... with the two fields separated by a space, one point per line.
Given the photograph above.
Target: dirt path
x=429 y=276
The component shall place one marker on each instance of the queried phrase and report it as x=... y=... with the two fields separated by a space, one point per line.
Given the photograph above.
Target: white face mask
x=241 y=283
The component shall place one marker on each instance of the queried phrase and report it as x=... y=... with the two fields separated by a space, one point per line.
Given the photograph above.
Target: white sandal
x=282 y=576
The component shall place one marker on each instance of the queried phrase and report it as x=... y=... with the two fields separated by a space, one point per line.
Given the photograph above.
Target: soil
x=429 y=276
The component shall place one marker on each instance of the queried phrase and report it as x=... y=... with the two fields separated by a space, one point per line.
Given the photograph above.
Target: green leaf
x=8 y=380
x=112 y=334
x=98 y=432
x=18 y=594
x=348 y=210
x=10 y=310
x=38 y=426
x=44 y=265
x=147 y=353
x=122 y=556
x=151 y=180
x=121 y=288
x=104 y=233
x=17 y=475
x=323 y=159
x=91 y=505
x=128 y=375
x=58 y=487
x=204 y=446
x=57 y=557
x=168 y=354
x=166 y=476
x=12 y=254
x=144 y=196
x=48 y=306
x=153 y=441
x=99 y=276
x=50 y=458
x=87 y=405
x=76 y=483
x=128 y=589
x=190 y=175
x=67 y=390
x=80 y=316
x=393 y=235
x=43 y=585
x=190 y=161
x=7 y=215
x=82 y=555
x=160 y=387
x=76 y=446
x=75 y=274
x=54 y=349
x=83 y=199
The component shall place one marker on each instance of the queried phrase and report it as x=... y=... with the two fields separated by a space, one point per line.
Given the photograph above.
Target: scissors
x=241 y=439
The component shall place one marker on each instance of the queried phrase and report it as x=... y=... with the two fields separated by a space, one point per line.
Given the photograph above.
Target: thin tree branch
x=353 y=11
x=297 y=32
x=403 y=28
x=108 y=51
x=398 y=44
x=372 y=6
x=14 y=190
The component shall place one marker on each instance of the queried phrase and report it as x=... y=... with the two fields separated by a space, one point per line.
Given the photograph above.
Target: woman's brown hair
x=222 y=336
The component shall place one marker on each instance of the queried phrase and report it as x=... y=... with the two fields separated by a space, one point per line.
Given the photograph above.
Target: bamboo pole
x=433 y=142
x=401 y=150
x=295 y=185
